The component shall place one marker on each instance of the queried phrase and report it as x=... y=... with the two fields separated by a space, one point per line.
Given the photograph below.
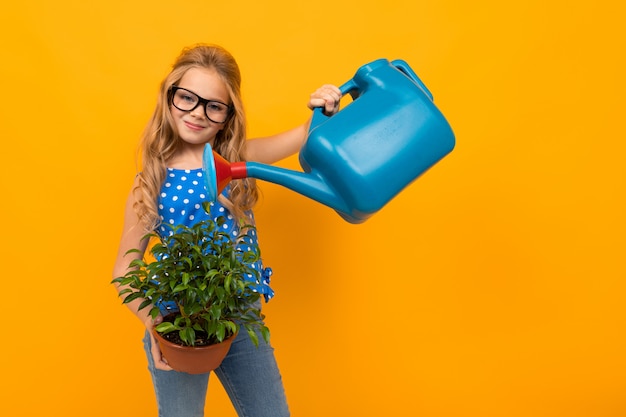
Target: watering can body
x=358 y=159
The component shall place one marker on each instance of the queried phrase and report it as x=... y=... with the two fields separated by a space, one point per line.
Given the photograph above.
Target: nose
x=198 y=111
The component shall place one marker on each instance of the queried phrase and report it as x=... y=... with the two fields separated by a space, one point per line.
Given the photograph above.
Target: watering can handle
x=399 y=64
x=406 y=69
x=318 y=113
x=348 y=87
x=352 y=88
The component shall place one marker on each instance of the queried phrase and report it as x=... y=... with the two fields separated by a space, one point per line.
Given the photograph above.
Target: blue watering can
x=358 y=159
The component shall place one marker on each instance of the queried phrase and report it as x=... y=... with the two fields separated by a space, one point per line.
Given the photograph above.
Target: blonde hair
x=160 y=141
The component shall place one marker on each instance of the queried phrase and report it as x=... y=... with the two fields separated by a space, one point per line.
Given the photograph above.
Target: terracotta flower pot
x=193 y=359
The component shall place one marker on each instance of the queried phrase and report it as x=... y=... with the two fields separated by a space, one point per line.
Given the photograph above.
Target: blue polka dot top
x=180 y=203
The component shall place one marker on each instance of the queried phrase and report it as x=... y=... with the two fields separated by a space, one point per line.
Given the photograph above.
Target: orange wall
x=492 y=286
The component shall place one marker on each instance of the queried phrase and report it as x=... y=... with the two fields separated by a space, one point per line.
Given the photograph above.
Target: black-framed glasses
x=185 y=100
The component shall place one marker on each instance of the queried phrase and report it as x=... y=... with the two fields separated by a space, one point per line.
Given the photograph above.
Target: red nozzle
x=226 y=171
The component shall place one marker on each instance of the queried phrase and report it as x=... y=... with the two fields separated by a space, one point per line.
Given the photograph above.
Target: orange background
x=492 y=286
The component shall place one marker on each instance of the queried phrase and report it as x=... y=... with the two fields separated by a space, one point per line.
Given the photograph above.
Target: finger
x=326 y=100
x=332 y=106
x=150 y=323
x=324 y=95
x=316 y=102
x=163 y=365
x=329 y=93
x=159 y=361
x=335 y=92
x=330 y=88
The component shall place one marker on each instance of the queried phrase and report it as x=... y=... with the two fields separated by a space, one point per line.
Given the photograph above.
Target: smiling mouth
x=193 y=126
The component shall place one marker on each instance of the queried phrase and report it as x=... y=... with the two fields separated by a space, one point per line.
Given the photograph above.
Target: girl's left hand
x=326 y=97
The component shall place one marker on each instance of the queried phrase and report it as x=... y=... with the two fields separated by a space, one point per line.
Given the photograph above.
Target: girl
x=200 y=102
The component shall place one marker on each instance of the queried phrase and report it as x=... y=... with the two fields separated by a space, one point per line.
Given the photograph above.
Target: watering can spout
x=306 y=183
x=218 y=172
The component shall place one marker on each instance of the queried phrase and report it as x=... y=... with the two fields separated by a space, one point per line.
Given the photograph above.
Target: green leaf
x=125 y=280
x=132 y=297
x=211 y=327
x=166 y=327
x=145 y=304
x=253 y=335
x=231 y=326
x=265 y=332
x=219 y=291
x=216 y=312
x=137 y=263
x=192 y=309
x=179 y=288
x=188 y=335
x=154 y=312
x=181 y=322
x=221 y=331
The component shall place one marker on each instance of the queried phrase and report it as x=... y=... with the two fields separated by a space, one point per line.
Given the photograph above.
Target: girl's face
x=194 y=128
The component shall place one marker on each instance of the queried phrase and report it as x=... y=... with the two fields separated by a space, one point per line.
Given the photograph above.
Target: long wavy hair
x=160 y=140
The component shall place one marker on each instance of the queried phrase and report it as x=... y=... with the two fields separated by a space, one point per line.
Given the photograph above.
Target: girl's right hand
x=327 y=97
x=159 y=361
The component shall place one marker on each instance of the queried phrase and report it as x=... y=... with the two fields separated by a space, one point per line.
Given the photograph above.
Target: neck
x=187 y=157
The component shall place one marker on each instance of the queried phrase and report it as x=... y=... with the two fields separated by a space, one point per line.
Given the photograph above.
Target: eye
x=182 y=96
x=187 y=97
x=216 y=107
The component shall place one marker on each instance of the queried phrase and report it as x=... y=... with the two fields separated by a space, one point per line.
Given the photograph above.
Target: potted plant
x=205 y=275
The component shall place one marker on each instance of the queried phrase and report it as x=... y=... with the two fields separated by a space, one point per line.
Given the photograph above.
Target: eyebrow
x=207 y=99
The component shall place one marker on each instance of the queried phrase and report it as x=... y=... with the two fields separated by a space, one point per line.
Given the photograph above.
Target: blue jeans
x=249 y=375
